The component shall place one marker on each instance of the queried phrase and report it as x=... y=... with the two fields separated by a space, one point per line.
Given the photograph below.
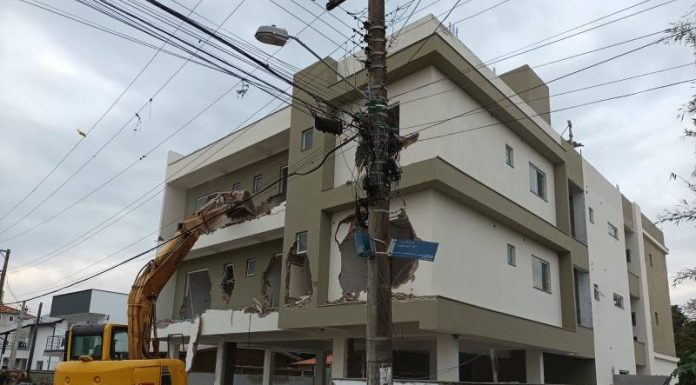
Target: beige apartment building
x=545 y=272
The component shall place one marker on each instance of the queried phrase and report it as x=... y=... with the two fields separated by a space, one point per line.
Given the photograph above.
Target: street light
x=270 y=34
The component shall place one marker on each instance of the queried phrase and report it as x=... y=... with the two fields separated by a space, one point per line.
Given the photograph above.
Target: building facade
x=545 y=272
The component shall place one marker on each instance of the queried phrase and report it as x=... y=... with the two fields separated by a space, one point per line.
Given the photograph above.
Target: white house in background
x=44 y=358
x=8 y=316
x=85 y=307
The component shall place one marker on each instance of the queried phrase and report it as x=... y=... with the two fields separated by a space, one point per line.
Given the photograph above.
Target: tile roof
x=4 y=309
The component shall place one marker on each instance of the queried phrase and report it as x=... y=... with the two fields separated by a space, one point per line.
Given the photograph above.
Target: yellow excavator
x=112 y=354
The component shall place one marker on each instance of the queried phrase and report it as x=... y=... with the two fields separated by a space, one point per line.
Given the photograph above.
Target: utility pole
x=15 y=340
x=378 y=333
x=34 y=332
x=2 y=275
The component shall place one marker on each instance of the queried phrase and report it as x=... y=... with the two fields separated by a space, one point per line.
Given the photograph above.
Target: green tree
x=684 y=332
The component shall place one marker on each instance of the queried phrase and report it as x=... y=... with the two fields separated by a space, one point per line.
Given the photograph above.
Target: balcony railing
x=55 y=343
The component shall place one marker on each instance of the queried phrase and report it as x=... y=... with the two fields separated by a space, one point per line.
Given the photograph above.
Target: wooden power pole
x=32 y=342
x=378 y=333
x=3 y=275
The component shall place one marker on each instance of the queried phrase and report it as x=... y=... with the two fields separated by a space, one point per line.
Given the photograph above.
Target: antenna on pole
x=570 y=136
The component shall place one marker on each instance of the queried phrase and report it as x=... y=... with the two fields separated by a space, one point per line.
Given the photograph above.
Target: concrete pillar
x=447 y=351
x=268 y=365
x=225 y=363
x=534 y=360
x=339 y=369
x=320 y=369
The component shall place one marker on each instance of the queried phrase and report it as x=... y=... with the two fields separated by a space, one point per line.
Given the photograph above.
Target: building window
x=393 y=113
x=618 y=301
x=657 y=319
x=541 y=274
x=509 y=156
x=228 y=281
x=11 y=318
x=39 y=365
x=202 y=200
x=628 y=255
x=633 y=318
x=301 y=243
x=283 y=185
x=537 y=181
x=511 y=258
x=258 y=183
x=596 y=292
x=624 y=372
x=613 y=231
x=591 y=212
x=237 y=186
x=251 y=267
x=649 y=257
x=307 y=139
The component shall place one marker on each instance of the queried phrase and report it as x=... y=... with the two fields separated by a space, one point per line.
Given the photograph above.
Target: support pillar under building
x=320 y=369
x=339 y=368
x=534 y=362
x=225 y=363
x=447 y=358
x=268 y=365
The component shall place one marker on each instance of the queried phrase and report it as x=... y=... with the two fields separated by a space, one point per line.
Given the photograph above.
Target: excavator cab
x=96 y=343
x=98 y=354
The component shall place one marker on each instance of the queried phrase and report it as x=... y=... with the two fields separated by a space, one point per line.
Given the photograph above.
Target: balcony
x=639 y=351
x=55 y=346
x=633 y=285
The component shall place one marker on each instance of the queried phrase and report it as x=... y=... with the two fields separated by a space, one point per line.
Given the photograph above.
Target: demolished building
x=545 y=272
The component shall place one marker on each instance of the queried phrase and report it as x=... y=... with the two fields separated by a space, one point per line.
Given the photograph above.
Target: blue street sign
x=412 y=249
x=363 y=243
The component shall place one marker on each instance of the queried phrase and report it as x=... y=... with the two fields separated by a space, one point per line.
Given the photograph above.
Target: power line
x=120 y=130
x=263 y=190
x=92 y=127
x=82 y=237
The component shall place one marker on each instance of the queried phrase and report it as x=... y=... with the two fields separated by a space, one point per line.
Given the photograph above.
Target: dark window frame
x=307 y=144
x=246 y=270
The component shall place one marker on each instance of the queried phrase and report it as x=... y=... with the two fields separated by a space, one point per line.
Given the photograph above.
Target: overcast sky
x=57 y=76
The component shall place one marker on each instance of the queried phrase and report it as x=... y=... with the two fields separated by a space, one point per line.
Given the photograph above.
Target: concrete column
x=339 y=369
x=320 y=369
x=268 y=365
x=534 y=360
x=225 y=363
x=447 y=351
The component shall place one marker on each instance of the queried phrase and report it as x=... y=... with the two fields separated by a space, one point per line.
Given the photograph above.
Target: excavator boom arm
x=219 y=211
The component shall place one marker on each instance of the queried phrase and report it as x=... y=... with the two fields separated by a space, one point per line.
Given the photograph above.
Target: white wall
x=471 y=262
x=472 y=265
x=613 y=333
x=479 y=153
x=664 y=365
x=115 y=305
x=45 y=332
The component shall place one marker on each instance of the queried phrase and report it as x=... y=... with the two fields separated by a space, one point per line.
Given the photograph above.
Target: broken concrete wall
x=298 y=277
x=353 y=275
x=243 y=292
x=271 y=282
x=347 y=272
